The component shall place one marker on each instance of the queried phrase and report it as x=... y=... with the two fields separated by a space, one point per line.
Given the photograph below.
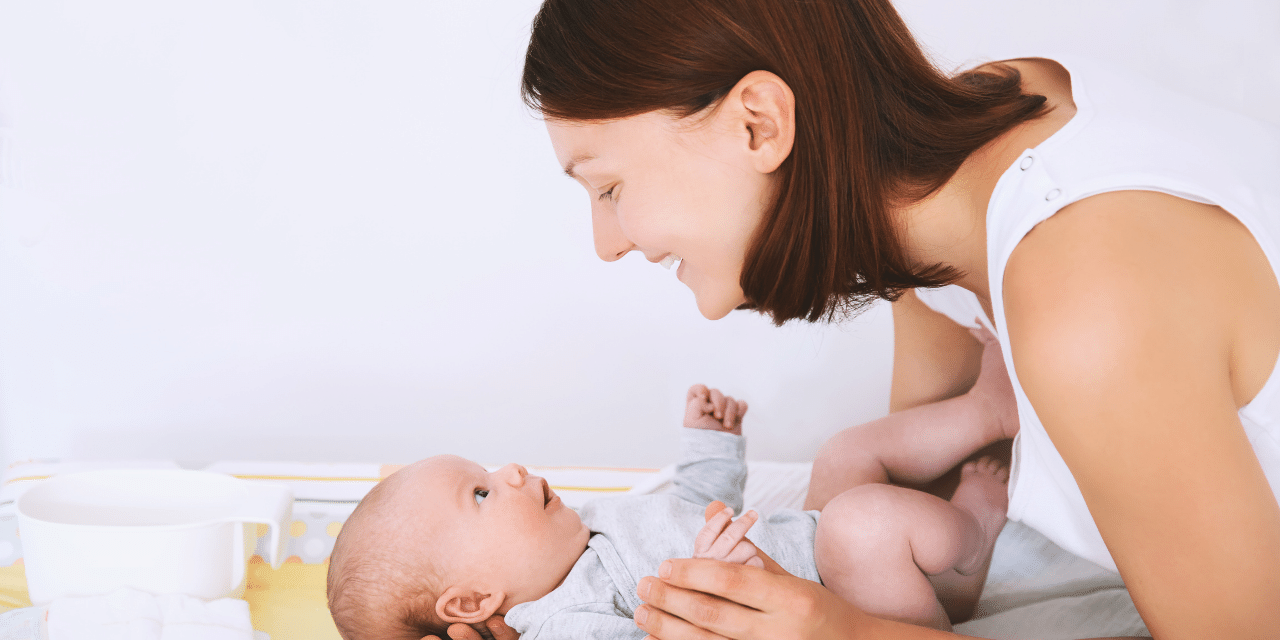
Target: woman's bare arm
x=1124 y=316
x=747 y=603
x=933 y=357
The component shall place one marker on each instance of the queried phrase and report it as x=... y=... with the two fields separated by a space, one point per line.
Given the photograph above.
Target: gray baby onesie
x=632 y=535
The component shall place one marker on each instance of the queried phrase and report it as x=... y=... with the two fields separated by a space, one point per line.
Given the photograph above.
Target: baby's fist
x=711 y=410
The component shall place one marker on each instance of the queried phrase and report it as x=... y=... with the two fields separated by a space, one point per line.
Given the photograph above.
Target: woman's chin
x=717 y=307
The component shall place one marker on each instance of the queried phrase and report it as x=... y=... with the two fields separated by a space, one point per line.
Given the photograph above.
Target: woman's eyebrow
x=568 y=168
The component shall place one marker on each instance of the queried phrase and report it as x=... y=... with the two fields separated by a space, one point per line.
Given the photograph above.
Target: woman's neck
x=950 y=226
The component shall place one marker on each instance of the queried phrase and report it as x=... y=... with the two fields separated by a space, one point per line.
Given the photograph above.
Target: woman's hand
x=704 y=599
x=494 y=628
x=778 y=605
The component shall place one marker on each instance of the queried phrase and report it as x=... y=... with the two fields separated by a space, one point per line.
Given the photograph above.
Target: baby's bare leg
x=917 y=445
x=877 y=544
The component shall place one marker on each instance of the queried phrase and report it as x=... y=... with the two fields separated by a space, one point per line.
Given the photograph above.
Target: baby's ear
x=468 y=606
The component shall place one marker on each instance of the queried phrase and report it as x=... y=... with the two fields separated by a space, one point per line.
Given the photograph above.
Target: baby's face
x=505 y=527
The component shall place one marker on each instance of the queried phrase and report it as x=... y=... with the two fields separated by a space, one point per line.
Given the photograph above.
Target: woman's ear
x=764 y=105
x=467 y=605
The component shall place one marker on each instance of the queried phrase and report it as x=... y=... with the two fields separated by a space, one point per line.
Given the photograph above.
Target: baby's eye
x=608 y=195
x=481 y=494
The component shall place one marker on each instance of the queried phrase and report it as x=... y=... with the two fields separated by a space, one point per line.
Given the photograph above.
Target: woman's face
x=687 y=189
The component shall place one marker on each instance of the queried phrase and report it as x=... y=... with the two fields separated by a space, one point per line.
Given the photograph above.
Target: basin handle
x=270 y=504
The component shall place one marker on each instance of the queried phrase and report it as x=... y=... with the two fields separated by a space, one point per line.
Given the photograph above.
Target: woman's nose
x=513 y=474
x=611 y=243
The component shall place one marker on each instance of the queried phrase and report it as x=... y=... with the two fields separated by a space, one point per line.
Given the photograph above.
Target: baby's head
x=444 y=541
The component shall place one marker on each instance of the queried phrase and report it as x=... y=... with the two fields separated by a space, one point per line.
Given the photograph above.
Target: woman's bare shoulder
x=1125 y=315
x=1130 y=271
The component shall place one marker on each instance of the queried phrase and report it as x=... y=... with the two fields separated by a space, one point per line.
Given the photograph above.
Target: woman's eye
x=608 y=195
x=481 y=494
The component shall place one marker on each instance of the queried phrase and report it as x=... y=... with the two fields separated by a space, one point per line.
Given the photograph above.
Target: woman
x=804 y=159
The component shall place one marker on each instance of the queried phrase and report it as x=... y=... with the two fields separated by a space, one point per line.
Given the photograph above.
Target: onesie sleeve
x=712 y=467
x=586 y=622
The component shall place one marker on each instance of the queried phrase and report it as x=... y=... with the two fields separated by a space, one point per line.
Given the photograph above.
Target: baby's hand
x=711 y=410
x=723 y=538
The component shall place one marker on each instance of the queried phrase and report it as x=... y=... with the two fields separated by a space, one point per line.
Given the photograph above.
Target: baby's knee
x=846 y=454
x=863 y=520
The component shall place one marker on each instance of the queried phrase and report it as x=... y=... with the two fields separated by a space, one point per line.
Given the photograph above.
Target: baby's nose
x=515 y=474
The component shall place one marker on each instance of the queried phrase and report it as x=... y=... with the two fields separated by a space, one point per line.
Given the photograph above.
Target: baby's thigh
x=882 y=524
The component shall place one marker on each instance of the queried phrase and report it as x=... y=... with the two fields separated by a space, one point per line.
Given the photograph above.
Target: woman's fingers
x=679 y=614
x=459 y=631
x=495 y=628
x=661 y=625
x=498 y=628
x=697 y=599
x=748 y=586
x=745 y=603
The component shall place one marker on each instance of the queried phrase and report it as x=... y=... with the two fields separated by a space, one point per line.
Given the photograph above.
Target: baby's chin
x=579 y=542
x=521 y=596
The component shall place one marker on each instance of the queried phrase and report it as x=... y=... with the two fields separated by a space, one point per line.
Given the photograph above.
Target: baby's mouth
x=546 y=493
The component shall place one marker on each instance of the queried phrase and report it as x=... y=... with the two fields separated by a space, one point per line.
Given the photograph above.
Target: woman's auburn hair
x=875 y=123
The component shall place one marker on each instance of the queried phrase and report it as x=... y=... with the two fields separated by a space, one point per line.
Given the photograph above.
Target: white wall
x=323 y=230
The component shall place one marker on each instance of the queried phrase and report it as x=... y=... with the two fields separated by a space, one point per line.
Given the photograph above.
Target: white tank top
x=1127 y=134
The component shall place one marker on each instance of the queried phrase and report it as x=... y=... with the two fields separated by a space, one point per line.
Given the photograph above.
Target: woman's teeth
x=669 y=260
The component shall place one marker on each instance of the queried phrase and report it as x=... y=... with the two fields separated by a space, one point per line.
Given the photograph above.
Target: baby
x=443 y=541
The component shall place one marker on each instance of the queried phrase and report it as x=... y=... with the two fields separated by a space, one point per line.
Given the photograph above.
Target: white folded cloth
x=128 y=614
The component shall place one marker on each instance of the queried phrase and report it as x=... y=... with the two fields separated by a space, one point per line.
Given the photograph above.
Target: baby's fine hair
x=375 y=589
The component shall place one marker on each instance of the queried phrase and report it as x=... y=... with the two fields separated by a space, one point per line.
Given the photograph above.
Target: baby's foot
x=994 y=390
x=712 y=410
x=983 y=493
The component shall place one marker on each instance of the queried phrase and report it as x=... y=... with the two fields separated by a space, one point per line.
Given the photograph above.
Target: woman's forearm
x=891 y=630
